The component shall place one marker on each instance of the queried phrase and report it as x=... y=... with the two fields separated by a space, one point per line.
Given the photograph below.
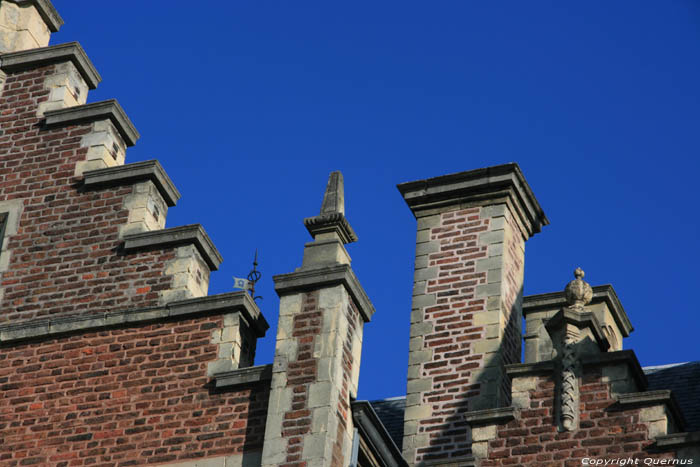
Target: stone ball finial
x=578 y=292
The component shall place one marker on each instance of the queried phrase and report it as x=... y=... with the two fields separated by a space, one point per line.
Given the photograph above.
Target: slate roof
x=684 y=380
x=681 y=378
x=390 y=412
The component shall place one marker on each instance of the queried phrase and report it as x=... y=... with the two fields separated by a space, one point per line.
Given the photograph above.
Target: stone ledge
x=72 y=51
x=601 y=293
x=303 y=280
x=251 y=374
x=498 y=182
x=234 y=301
x=677 y=440
x=47 y=12
x=109 y=109
x=619 y=356
x=491 y=416
x=187 y=234
x=515 y=370
x=662 y=396
x=138 y=171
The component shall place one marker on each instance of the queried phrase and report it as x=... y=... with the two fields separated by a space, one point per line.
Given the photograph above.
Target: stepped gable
x=86 y=230
x=111 y=350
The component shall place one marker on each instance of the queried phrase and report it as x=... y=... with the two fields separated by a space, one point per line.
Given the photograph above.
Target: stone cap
x=242 y=376
x=137 y=171
x=601 y=294
x=71 y=51
x=184 y=235
x=499 y=415
x=375 y=434
x=677 y=440
x=46 y=10
x=619 y=356
x=502 y=183
x=109 y=109
x=311 y=279
x=331 y=218
x=584 y=319
x=238 y=301
x=647 y=398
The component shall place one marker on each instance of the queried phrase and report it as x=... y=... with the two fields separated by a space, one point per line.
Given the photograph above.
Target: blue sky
x=249 y=105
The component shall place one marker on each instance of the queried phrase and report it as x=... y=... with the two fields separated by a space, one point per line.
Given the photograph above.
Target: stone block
x=488 y=290
x=428 y=222
x=421 y=301
x=427 y=248
x=418 y=412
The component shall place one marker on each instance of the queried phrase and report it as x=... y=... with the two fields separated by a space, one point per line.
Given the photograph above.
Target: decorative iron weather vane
x=252 y=278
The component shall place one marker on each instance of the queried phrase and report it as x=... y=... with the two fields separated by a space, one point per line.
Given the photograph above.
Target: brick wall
x=605 y=431
x=300 y=374
x=343 y=412
x=123 y=397
x=470 y=281
x=64 y=258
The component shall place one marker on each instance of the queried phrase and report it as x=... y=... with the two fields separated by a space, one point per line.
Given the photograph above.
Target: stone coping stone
x=135 y=172
x=676 y=440
x=184 y=235
x=71 y=51
x=647 y=398
x=584 y=319
x=310 y=279
x=46 y=10
x=601 y=293
x=248 y=375
x=109 y=109
x=238 y=301
x=480 y=185
x=529 y=369
x=601 y=359
x=375 y=434
x=619 y=356
x=491 y=416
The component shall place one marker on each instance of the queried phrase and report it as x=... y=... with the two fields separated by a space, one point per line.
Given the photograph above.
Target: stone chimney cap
x=500 y=183
x=331 y=218
x=46 y=10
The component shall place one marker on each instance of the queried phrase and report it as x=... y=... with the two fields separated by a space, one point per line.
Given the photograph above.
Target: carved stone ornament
x=569 y=385
x=578 y=292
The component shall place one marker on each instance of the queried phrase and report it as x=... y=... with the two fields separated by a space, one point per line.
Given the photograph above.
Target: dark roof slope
x=684 y=380
x=390 y=412
x=681 y=378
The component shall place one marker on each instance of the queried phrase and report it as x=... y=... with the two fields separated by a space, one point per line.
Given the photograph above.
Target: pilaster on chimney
x=27 y=24
x=316 y=367
x=467 y=302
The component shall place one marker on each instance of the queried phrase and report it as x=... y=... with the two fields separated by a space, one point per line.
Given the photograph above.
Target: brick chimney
x=467 y=302
x=27 y=24
x=319 y=340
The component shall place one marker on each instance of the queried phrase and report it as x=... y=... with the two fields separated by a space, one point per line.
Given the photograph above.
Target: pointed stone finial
x=334 y=198
x=331 y=222
x=578 y=292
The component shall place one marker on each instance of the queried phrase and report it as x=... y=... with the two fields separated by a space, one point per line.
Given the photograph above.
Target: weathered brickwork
x=606 y=431
x=471 y=282
x=300 y=374
x=344 y=415
x=123 y=397
x=65 y=256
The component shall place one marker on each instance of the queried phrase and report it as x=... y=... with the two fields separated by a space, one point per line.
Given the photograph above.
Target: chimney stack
x=316 y=367
x=467 y=302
